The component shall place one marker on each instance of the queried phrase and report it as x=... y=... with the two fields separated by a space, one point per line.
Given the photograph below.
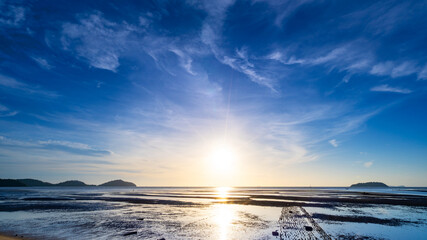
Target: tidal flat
x=213 y=213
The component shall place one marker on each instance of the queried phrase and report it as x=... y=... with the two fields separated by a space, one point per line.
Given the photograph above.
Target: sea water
x=193 y=213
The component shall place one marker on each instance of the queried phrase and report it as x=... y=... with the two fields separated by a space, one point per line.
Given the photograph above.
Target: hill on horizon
x=117 y=183
x=73 y=183
x=11 y=183
x=29 y=182
x=369 y=185
x=34 y=183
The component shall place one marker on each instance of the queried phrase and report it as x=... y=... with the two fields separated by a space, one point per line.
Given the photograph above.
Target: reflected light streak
x=224 y=214
x=223 y=192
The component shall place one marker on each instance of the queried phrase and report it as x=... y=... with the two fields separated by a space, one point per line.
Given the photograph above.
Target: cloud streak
x=21 y=87
x=368 y=164
x=387 y=88
x=11 y=15
x=55 y=145
x=333 y=142
x=97 y=40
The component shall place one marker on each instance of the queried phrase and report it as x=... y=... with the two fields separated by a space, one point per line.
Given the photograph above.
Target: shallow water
x=196 y=213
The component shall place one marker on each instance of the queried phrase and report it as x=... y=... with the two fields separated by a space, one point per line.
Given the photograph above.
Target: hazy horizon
x=214 y=93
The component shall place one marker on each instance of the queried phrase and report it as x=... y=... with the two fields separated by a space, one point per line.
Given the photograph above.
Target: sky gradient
x=304 y=93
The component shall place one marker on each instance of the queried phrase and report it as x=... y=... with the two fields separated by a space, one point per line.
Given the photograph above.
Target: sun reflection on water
x=223 y=192
x=224 y=214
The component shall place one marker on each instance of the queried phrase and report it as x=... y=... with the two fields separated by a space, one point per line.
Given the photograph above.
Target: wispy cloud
x=239 y=60
x=11 y=15
x=185 y=60
x=352 y=57
x=422 y=75
x=333 y=142
x=97 y=40
x=55 y=146
x=284 y=9
x=387 y=88
x=368 y=164
x=21 y=87
x=6 y=112
x=394 y=70
x=42 y=62
x=74 y=148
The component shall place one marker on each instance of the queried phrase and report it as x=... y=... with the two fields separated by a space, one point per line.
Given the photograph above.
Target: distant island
x=369 y=185
x=118 y=183
x=72 y=183
x=11 y=183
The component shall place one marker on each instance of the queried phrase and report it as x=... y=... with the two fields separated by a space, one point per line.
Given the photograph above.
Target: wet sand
x=195 y=213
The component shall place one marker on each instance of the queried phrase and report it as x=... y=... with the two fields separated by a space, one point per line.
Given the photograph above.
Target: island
x=117 y=183
x=369 y=185
x=72 y=183
x=28 y=182
x=34 y=183
x=11 y=183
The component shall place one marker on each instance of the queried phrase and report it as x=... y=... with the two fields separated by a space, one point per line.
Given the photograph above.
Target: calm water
x=198 y=213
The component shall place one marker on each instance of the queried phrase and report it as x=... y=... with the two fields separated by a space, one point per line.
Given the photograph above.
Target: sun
x=222 y=159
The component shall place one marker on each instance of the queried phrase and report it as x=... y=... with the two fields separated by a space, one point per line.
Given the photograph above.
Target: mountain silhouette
x=28 y=182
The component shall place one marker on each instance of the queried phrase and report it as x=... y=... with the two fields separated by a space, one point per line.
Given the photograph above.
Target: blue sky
x=305 y=93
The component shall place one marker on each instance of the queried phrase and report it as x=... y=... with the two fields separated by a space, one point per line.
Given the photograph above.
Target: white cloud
x=65 y=143
x=284 y=9
x=11 y=15
x=6 y=112
x=143 y=21
x=244 y=66
x=368 y=164
x=403 y=69
x=97 y=40
x=278 y=56
x=42 y=62
x=382 y=69
x=11 y=82
x=13 y=142
x=422 y=75
x=393 y=69
x=22 y=87
x=346 y=78
x=352 y=57
x=211 y=37
x=55 y=145
x=387 y=88
x=185 y=60
x=333 y=142
x=333 y=55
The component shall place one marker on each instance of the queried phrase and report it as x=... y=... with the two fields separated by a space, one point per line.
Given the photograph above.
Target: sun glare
x=223 y=192
x=222 y=159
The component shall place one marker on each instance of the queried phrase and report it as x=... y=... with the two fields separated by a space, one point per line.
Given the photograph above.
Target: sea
x=213 y=213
